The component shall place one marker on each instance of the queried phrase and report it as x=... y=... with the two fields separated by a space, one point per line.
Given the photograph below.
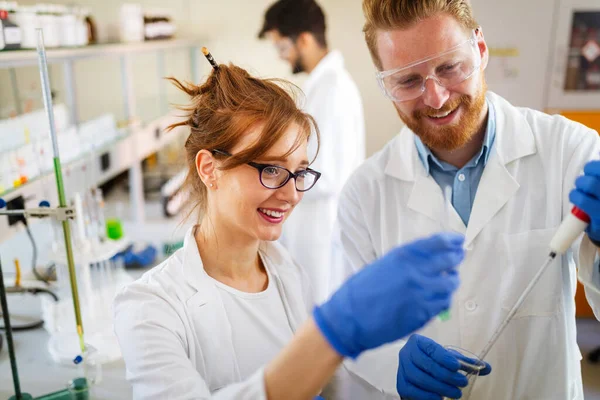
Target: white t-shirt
x=259 y=325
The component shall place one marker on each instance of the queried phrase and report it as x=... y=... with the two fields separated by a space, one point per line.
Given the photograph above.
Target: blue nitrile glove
x=586 y=196
x=393 y=296
x=427 y=371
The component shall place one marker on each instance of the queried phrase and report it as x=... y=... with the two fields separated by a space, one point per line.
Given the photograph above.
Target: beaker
x=470 y=366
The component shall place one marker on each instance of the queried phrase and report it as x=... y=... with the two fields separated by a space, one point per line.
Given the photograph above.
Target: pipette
x=572 y=226
x=62 y=200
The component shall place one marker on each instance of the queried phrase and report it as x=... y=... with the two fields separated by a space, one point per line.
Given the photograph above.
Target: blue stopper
x=2 y=203
x=78 y=359
x=44 y=203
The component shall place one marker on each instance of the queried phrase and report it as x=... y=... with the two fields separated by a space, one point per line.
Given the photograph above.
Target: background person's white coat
x=332 y=98
x=521 y=200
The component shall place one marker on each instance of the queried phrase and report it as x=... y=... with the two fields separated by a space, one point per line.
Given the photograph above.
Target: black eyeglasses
x=274 y=176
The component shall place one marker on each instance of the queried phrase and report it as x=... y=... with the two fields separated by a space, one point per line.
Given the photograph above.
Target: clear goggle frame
x=449 y=68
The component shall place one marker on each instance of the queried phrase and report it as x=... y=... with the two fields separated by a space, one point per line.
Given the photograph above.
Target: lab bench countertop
x=40 y=375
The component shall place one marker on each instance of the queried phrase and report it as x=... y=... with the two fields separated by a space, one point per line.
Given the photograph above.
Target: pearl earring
x=211 y=185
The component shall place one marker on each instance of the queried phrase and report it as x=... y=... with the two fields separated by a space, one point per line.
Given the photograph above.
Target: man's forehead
x=400 y=47
x=274 y=35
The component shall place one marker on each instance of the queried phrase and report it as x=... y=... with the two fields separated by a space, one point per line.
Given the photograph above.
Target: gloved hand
x=393 y=296
x=586 y=196
x=427 y=371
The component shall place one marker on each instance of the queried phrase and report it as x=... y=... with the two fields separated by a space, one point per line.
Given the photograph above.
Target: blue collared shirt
x=465 y=181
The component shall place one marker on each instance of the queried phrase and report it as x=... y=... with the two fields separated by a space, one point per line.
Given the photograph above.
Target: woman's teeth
x=270 y=213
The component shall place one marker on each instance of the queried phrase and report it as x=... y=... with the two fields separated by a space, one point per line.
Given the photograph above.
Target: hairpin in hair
x=210 y=58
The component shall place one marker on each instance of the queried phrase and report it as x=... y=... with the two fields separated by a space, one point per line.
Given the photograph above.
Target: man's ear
x=483 y=49
x=304 y=40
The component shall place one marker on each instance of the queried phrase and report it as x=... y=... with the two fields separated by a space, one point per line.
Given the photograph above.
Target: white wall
x=528 y=27
x=229 y=28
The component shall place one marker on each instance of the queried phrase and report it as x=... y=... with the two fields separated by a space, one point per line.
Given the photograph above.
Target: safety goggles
x=447 y=69
x=284 y=46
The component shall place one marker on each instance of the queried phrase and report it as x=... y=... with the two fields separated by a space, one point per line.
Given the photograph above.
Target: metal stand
x=78 y=388
x=9 y=342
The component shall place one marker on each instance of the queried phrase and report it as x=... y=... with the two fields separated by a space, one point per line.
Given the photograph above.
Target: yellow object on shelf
x=504 y=51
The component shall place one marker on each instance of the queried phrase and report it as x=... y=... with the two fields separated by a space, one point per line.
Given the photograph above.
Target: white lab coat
x=333 y=99
x=521 y=200
x=175 y=335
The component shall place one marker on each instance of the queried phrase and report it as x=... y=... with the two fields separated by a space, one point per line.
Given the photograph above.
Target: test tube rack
x=78 y=387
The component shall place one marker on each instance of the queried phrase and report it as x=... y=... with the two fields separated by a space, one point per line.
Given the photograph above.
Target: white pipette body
x=569 y=230
x=572 y=226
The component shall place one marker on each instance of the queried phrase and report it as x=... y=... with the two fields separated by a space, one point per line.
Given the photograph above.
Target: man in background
x=297 y=29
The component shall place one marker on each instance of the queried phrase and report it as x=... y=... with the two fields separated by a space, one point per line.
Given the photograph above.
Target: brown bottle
x=10 y=32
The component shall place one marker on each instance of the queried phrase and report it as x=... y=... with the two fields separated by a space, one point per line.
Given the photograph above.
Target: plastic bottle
x=68 y=27
x=132 y=23
x=26 y=18
x=48 y=21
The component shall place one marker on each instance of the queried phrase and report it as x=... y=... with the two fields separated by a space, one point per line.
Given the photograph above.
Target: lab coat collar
x=210 y=309
x=334 y=60
x=193 y=269
x=276 y=259
x=514 y=140
x=427 y=157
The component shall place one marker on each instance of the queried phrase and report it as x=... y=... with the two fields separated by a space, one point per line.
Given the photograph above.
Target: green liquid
x=444 y=316
x=59 y=183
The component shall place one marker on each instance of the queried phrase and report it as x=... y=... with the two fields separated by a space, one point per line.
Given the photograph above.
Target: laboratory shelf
x=124 y=152
x=80 y=159
x=138 y=141
x=18 y=58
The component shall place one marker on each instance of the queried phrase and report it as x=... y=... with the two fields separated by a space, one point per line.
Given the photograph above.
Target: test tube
x=101 y=221
x=447 y=191
x=80 y=218
x=109 y=273
x=91 y=219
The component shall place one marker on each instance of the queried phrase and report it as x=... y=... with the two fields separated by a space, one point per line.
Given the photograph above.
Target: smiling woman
x=228 y=316
x=233 y=108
